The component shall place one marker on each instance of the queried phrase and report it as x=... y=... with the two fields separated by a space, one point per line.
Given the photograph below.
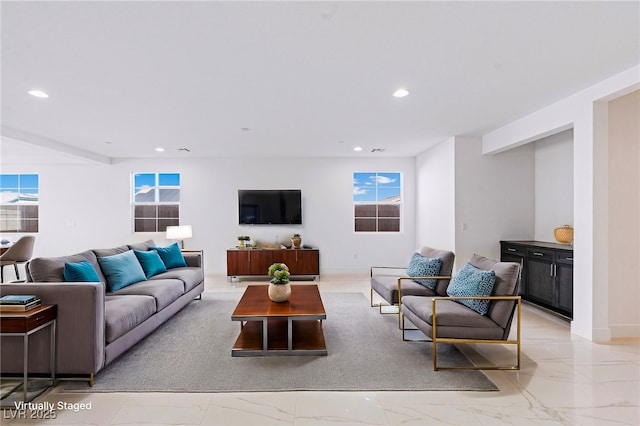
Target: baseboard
x=623 y=331
x=601 y=334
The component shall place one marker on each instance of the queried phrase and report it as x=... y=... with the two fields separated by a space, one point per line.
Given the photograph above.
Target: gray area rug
x=192 y=353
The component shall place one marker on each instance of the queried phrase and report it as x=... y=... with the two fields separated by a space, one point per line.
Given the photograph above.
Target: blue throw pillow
x=471 y=281
x=420 y=266
x=151 y=262
x=121 y=270
x=171 y=256
x=82 y=271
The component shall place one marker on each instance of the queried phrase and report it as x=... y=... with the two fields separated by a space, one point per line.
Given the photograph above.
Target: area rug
x=192 y=353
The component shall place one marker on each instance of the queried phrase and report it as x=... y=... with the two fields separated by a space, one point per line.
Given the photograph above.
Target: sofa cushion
x=82 y=271
x=448 y=259
x=421 y=266
x=121 y=270
x=110 y=251
x=143 y=246
x=51 y=269
x=191 y=277
x=454 y=319
x=387 y=287
x=449 y=313
x=151 y=262
x=124 y=313
x=506 y=285
x=472 y=281
x=164 y=291
x=171 y=256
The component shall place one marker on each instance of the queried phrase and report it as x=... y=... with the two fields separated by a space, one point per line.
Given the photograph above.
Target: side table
x=16 y=324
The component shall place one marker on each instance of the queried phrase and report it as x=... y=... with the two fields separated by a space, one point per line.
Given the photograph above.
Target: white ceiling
x=307 y=78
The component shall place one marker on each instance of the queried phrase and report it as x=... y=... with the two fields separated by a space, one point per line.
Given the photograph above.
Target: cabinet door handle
x=551 y=270
x=511 y=249
x=535 y=253
x=570 y=258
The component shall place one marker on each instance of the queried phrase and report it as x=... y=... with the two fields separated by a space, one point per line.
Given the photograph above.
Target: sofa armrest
x=394 y=270
x=80 y=329
x=429 y=277
x=193 y=258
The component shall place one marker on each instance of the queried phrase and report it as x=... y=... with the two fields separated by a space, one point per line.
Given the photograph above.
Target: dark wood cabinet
x=256 y=262
x=238 y=262
x=564 y=280
x=546 y=275
x=516 y=253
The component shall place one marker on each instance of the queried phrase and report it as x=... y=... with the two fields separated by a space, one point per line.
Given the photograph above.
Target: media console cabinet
x=256 y=262
x=546 y=277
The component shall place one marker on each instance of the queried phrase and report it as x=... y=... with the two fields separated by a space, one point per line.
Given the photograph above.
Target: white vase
x=279 y=292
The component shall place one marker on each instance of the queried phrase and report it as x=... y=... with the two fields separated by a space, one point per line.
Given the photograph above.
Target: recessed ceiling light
x=38 y=93
x=159 y=149
x=357 y=148
x=400 y=93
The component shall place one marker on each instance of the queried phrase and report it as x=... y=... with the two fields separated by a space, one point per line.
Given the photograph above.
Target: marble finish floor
x=564 y=380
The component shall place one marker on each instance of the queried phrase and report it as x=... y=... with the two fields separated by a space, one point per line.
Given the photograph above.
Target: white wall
x=582 y=111
x=468 y=202
x=553 y=184
x=624 y=215
x=435 y=197
x=494 y=198
x=88 y=206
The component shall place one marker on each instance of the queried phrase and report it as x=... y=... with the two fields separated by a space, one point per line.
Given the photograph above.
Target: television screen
x=270 y=206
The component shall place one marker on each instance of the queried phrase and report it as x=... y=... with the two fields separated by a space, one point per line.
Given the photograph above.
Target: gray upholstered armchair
x=447 y=319
x=391 y=283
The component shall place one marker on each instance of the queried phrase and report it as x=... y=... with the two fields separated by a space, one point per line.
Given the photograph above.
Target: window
x=376 y=202
x=156 y=201
x=19 y=203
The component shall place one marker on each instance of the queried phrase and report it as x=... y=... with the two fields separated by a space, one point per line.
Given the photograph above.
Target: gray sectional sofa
x=96 y=325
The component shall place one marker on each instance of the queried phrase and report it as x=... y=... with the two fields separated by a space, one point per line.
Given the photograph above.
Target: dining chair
x=19 y=253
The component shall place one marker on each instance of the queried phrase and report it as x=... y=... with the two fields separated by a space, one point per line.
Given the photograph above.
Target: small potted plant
x=296 y=240
x=279 y=288
x=242 y=239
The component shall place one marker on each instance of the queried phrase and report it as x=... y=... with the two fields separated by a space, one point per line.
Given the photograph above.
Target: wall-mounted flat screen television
x=270 y=206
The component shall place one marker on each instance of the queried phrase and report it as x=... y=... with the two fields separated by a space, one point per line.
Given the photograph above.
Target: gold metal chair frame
x=435 y=340
x=400 y=279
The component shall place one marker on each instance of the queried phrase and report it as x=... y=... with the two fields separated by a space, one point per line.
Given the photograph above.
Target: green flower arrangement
x=279 y=273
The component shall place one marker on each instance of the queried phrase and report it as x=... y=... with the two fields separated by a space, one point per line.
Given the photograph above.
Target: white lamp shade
x=179 y=232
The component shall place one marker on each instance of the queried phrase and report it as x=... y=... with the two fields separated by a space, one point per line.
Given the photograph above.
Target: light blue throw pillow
x=471 y=281
x=82 y=271
x=171 y=256
x=121 y=270
x=151 y=262
x=420 y=266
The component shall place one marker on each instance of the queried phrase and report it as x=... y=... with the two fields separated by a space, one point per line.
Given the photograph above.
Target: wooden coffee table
x=288 y=328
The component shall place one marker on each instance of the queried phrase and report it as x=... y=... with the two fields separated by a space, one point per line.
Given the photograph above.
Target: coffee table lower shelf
x=285 y=336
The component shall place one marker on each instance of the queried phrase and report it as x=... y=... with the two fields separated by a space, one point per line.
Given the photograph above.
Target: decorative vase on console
x=279 y=287
x=296 y=241
x=242 y=239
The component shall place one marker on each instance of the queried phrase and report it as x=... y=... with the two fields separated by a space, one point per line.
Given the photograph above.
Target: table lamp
x=179 y=233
